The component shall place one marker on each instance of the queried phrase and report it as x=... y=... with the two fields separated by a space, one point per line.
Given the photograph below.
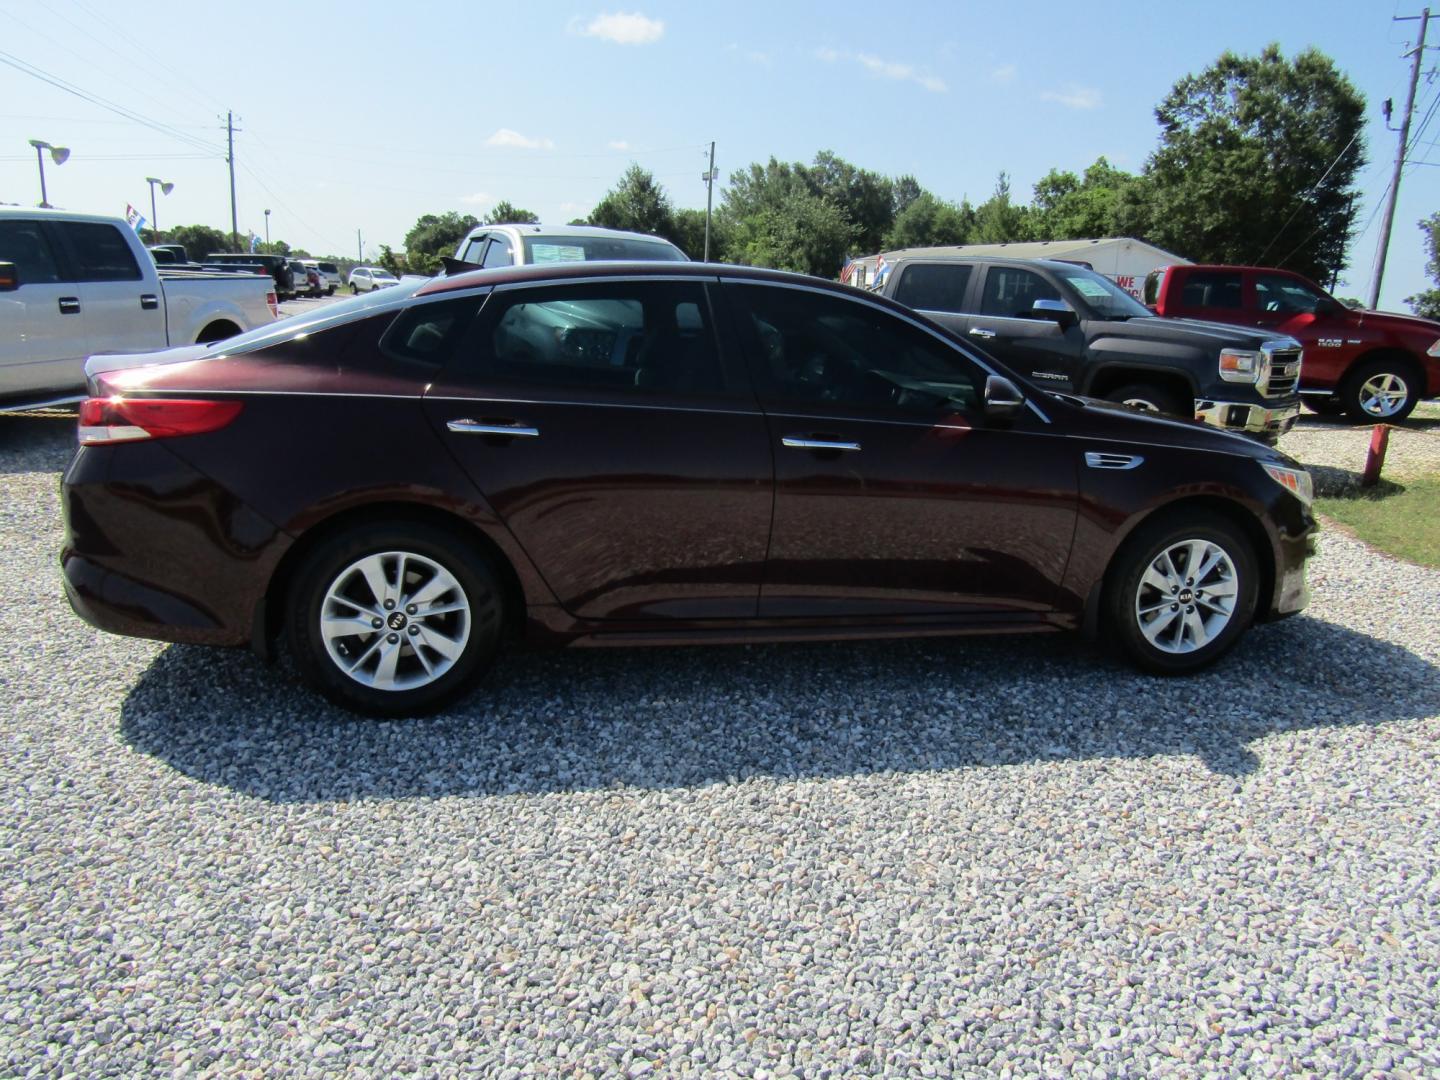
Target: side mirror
x=1003 y=399
x=1063 y=314
x=9 y=277
x=1327 y=306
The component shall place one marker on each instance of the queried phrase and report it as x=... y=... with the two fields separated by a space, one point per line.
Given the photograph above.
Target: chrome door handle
x=476 y=427
x=981 y=332
x=149 y=302
x=800 y=442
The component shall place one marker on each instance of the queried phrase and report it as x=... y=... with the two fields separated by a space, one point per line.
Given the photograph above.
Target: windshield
x=551 y=249
x=353 y=307
x=1107 y=299
x=382 y=274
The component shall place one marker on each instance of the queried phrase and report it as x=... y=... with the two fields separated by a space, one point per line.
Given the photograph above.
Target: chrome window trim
x=650 y=406
x=862 y=298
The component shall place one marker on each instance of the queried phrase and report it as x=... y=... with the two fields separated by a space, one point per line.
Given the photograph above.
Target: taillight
x=274 y=302
x=121 y=419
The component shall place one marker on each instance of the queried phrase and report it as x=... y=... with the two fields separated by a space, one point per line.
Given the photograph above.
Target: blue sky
x=367 y=115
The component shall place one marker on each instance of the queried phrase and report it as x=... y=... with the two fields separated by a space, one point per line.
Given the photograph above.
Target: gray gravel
x=1335 y=449
x=1005 y=857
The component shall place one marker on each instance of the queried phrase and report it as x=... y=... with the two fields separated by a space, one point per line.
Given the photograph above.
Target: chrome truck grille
x=1284 y=377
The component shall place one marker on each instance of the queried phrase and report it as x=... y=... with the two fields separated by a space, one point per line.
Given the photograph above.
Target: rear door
x=626 y=453
x=43 y=346
x=1006 y=326
x=121 y=308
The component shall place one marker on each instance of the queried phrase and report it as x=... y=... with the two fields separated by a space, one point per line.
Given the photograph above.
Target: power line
x=60 y=84
x=1301 y=205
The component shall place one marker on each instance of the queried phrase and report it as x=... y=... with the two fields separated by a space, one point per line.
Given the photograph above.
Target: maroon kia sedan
x=634 y=453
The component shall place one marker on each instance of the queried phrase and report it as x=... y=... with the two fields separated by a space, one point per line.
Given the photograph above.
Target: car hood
x=1203 y=335
x=1100 y=419
x=1404 y=324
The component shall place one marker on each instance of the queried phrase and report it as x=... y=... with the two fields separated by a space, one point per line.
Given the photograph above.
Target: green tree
x=397 y=264
x=507 y=213
x=1257 y=161
x=689 y=234
x=930 y=222
x=637 y=204
x=1067 y=207
x=804 y=233
x=198 y=240
x=1427 y=302
x=904 y=191
x=998 y=220
x=865 y=198
x=432 y=236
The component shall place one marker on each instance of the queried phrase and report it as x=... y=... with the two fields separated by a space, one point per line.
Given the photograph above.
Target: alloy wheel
x=1383 y=394
x=395 y=620
x=1186 y=596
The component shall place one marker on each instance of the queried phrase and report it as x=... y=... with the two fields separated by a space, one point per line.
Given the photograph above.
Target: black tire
x=1133 y=602
x=1323 y=406
x=331 y=572
x=1368 y=392
x=1148 y=397
x=354 y=289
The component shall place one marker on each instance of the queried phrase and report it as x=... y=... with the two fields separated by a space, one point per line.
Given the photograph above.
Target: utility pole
x=709 y=198
x=359 y=247
x=1389 y=219
x=230 y=160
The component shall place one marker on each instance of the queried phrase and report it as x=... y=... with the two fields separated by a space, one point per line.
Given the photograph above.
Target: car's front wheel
x=394 y=620
x=1147 y=397
x=354 y=289
x=1181 y=592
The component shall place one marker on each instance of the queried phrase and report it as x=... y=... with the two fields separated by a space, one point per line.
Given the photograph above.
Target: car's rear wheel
x=1382 y=391
x=354 y=289
x=394 y=620
x=1181 y=592
x=1147 y=397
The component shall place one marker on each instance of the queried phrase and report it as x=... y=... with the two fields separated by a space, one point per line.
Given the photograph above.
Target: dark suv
x=1071 y=328
x=621 y=453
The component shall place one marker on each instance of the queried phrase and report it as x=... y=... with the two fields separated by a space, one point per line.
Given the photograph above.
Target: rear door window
x=632 y=337
x=99 y=251
x=499 y=253
x=933 y=287
x=1210 y=289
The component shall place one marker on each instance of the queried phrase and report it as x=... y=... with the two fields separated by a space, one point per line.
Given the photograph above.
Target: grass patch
x=1403 y=521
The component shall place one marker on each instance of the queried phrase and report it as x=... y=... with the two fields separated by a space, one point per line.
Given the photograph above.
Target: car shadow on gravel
x=597 y=719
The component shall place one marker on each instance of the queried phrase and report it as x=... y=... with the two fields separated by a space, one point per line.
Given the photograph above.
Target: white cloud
x=506 y=137
x=622 y=28
x=886 y=69
x=1074 y=97
x=618 y=144
x=480 y=198
x=572 y=207
x=1004 y=74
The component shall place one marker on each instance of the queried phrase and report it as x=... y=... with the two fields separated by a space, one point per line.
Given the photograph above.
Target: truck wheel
x=1146 y=397
x=394 y=620
x=1181 y=592
x=1382 y=391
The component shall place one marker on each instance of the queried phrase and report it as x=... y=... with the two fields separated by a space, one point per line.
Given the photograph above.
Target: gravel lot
x=926 y=858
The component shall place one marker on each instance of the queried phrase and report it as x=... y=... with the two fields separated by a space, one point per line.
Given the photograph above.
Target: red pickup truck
x=1372 y=365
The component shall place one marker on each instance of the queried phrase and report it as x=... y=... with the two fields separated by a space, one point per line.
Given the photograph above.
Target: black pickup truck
x=1071 y=329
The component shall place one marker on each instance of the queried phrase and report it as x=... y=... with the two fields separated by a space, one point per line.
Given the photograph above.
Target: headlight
x=1434 y=350
x=1295 y=481
x=1240 y=365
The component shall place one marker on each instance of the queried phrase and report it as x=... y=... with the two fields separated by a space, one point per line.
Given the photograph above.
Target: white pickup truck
x=75 y=285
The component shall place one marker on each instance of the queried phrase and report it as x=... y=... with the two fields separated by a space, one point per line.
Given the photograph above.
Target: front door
x=1287 y=305
x=1006 y=325
x=606 y=427
x=43 y=346
x=893 y=495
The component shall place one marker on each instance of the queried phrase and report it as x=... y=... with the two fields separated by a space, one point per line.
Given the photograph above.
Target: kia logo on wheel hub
x=397 y=620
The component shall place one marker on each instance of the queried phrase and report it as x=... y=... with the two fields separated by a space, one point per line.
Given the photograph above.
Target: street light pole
x=165 y=189
x=267 y=228
x=58 y=154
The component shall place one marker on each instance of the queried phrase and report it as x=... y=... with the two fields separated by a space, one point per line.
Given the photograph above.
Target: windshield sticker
x=1091 y=289
x=552 y=253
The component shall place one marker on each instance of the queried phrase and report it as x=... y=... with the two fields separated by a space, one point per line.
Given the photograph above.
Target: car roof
x=569 y=230
x=56 y=215
x=541 y=272
x=1004 y=260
